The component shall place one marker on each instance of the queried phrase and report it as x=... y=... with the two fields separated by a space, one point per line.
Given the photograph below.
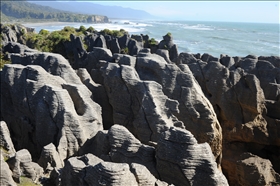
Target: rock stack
x=141 y=118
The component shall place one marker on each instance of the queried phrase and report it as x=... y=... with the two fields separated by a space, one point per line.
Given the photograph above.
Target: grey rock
x=107 y=173
x=134 y=47
x=138 y=38
x=227 y=61
x=5 y=173
x=6 y=144
x=138 y=105
x=193 y=163
x=29 y=92
x=95 y=56
x=123 y=59
x=185 y=58
x=99 y=96
x=74 y=172
x=168 y=44
x=114 y=46
x=275 y=60
x=75 y=51
x=165 y=54
x=21 y=165
x=13 y=47
x=208 y=58
x=178 y=83
x=142 y=174
x=9 y=35
x=125 y=148
x=99 y=146
x=100 y=41
x=54 y=64
x=123 y=41
x=261 y=171
x=50 y=158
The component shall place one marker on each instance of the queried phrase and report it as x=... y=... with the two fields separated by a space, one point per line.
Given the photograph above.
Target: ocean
x=215 y=38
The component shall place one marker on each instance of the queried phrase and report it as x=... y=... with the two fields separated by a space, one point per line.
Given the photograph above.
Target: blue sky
x=232 y=11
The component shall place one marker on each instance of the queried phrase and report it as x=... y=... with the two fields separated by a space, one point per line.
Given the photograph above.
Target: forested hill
x=25 y=11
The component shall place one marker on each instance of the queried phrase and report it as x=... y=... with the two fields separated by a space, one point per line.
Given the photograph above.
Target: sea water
x=215 y=38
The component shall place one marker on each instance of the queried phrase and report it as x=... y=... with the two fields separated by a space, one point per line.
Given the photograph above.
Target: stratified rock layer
x=182 y=161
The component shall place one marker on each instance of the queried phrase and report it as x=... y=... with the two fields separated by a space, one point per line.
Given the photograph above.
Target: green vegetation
x=168 y=34
x=125 y=50
x=54 y=42
x=3 y=61
x=152 y=41
x=115 y=33
x=4 y=151
x=46 y=41
x=24 y=181
x=13 y=11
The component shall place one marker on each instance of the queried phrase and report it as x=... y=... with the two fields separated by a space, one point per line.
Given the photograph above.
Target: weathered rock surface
x=5 y=173
x=21 y=165
x=74 y=171
x=90 y=170
x=239 y=90
x=99 y=96
x=50 y=158
x=182 y=161
x=138 y=105
x=6 y=144
x=168 y=44
x=125 y=148
x=261 y=171
x=29 y=92
x=178 y=83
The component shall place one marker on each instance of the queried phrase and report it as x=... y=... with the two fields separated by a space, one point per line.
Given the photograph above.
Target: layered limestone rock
x=182 y=161
x=21 y=165
x=178 y=83
x=41 y=108
x=138 y=105
x=5 y=173
x=239 y=89
x=90 y=170
x=261 y=171
x=6 y=145
x=125 y=148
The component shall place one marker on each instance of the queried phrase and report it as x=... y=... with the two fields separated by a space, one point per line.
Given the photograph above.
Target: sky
x=228 y=11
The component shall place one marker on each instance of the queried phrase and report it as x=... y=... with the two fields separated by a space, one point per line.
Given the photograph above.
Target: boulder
x=182 y=161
